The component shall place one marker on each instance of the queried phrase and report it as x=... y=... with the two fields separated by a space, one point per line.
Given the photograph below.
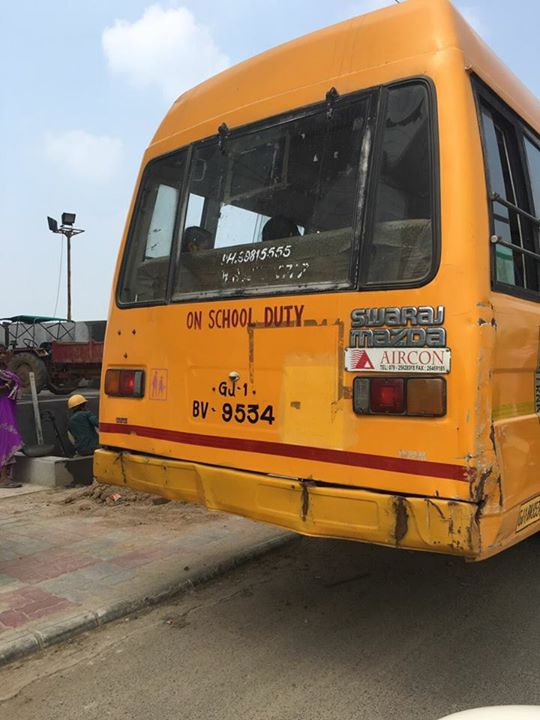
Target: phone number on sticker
x=251 y=255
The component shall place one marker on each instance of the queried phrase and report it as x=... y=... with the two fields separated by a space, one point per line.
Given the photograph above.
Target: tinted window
x=274 y=208
x=533 y=161
x=511 y=198
x=509 y=265
x=145 y=273
x=402 y=239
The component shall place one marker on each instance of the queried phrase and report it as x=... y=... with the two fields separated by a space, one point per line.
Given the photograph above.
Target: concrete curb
x=28 y=642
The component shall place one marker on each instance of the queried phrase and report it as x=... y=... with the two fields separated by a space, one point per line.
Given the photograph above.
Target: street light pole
x=66 y=229
x=68 y=238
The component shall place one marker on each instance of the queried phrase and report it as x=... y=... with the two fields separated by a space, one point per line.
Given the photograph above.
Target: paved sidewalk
x=62 y=573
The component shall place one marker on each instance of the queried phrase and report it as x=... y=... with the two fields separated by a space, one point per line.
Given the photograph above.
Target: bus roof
x=399 y=41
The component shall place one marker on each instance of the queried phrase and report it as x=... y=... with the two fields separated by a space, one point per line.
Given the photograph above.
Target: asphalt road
x=319 y=629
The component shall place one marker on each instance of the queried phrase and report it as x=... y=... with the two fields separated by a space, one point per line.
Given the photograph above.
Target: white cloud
x=90 y=157
x=164 y=48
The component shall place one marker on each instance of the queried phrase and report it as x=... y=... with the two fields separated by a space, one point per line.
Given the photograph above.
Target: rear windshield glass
x=402 y=236
x=277 y=208
x=274 y=208
x=146 y=266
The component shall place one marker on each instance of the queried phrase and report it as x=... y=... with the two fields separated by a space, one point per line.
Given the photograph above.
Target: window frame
x=486 y=98
x=374 y=172
x=325 y=286
x=130 y=239
x=533 y=140
x=370 y=151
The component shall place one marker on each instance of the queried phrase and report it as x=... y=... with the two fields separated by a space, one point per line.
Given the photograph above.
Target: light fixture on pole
x=66 y=229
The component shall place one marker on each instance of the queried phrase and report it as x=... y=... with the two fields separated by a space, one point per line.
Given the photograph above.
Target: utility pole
x=68 y=231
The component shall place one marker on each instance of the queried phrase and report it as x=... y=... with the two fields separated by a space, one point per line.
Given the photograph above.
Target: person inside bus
x=196 y=239
x=279 y=227
x=82 y=426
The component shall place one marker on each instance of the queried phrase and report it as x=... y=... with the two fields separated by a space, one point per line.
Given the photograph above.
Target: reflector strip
x=303 y=452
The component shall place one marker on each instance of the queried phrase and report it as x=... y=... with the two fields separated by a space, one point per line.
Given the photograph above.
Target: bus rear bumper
x=309 y=508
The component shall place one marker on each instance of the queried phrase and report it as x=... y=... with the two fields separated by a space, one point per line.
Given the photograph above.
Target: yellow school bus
x=325 y=312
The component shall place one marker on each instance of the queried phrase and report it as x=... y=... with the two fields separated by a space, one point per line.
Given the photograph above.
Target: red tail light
x=387 y=396
x=124 y=383
x=127 y=382
x=412 y=396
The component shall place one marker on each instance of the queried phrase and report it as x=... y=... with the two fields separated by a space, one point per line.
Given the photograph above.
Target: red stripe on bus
x=303 y=452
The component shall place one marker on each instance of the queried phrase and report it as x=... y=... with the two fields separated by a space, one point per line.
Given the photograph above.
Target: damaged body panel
x=307 y=508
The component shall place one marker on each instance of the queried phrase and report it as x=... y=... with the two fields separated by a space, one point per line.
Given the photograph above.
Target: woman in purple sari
x=10 y=438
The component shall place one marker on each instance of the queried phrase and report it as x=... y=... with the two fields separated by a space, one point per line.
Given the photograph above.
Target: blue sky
x=85 y=86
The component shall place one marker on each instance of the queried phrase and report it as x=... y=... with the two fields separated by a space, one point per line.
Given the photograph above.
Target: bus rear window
x=278 y=208
x=146 y=264
x=273 y=208
x=401 y=249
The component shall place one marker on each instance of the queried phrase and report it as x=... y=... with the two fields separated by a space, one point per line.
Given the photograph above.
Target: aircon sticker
x=408 y=339
x=417 y=360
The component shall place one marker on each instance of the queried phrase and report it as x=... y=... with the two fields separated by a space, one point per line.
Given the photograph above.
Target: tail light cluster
x=414 y=397
x=124 y=383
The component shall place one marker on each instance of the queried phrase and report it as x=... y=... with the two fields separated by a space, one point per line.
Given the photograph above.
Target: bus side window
x=509 y=265
x=507 y=178
x=532 y=153
x=402 y=237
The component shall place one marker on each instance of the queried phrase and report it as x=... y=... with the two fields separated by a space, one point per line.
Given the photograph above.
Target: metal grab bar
x=496 y=240
x=497 y=198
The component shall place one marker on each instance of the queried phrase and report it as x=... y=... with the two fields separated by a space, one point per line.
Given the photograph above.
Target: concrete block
x=58 y=406
x=53 y=471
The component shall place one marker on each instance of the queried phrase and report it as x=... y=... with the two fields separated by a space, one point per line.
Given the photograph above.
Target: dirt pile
x=120 y=505
x=112 y=506
x=111 y=495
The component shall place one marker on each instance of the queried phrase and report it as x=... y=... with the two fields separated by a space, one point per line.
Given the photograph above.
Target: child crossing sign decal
x=158 y=384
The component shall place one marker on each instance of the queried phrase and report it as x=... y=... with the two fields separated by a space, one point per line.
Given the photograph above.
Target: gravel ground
x=115 y=505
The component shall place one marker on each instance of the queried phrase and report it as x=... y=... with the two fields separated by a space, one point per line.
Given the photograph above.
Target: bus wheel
x=22 y=364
